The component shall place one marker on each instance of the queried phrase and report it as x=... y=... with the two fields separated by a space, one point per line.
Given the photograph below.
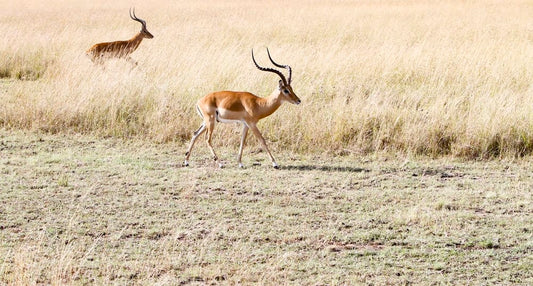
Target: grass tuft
x=24 y=66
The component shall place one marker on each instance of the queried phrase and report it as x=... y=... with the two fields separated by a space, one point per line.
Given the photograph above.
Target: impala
x=119 y=49
x=243 y=107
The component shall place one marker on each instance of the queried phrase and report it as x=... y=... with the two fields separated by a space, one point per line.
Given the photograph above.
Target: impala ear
x=280 y=84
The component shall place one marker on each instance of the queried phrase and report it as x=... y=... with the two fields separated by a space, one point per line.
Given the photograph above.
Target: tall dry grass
x=423 y=77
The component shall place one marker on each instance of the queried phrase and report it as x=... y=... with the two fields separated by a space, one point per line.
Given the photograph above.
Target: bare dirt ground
x=80 y=210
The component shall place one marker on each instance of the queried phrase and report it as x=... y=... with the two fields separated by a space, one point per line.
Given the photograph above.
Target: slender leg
x=243 y=140
x=210 y=128
x=257 y=134
x=193 y=140
x=99 y=61
x=132 y=61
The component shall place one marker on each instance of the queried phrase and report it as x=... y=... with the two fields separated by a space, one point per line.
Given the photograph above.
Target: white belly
x=227 y=116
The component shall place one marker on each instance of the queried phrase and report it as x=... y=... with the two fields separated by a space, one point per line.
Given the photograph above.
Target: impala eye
x=286 y=91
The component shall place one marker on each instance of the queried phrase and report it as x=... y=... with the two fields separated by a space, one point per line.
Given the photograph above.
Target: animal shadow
x=324 y=168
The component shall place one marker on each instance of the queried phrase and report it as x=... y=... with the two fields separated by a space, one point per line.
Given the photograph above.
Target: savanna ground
x=79 y=210
x=408 y=161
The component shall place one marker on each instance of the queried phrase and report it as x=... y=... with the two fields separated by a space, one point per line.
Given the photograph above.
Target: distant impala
x=119 y=49
x=243 y=107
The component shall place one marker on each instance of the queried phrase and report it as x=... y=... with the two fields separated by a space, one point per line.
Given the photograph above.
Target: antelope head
x=144 y=31
x=285 y=88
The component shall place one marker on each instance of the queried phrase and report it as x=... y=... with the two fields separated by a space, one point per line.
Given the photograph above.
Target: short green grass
x=80 y=210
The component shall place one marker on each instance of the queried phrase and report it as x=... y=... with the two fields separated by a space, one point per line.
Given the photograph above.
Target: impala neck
x=135 y=41
x=271 y=103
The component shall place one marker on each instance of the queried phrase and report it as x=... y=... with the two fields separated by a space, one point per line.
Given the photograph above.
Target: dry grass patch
x=420 y=77
x=76 y=210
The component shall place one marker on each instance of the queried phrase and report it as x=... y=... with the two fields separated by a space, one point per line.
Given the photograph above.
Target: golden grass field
x=408 y=161
x=417 y=77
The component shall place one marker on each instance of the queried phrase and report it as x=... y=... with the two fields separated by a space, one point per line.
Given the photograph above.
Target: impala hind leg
x=196 y=134
x=96 y=59
x=210 y=128
x=257 y=134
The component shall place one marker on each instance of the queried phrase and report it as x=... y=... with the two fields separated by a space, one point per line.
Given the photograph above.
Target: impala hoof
x=186 y=163
x=241 y=166
x=275 y=165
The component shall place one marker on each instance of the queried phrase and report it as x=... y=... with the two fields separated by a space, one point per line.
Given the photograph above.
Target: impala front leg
x=132 y=61
x=257 y=134
x=210 y=128
x=243 y=140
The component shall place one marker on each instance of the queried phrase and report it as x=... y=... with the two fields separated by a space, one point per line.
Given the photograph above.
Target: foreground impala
x=244 y=107
x=119 y=49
